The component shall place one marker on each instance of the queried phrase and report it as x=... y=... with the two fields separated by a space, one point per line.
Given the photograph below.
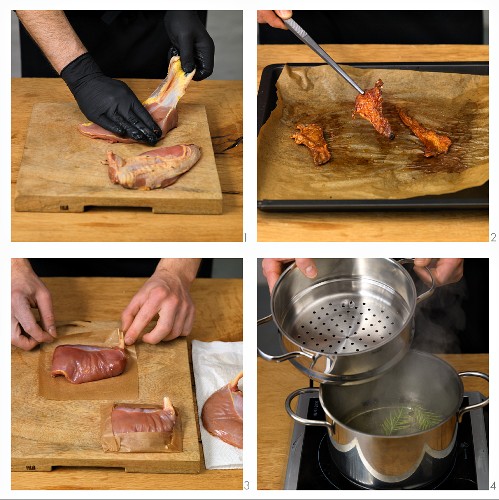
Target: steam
x=441 y=319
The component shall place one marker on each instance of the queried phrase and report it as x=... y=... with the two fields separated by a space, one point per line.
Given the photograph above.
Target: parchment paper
x=135 y=442
x=124 y=386
x=366 y=165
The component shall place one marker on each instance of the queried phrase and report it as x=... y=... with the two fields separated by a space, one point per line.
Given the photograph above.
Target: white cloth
x=215 y=365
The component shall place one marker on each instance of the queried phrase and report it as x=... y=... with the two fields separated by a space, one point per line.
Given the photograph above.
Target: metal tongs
x=297 y=30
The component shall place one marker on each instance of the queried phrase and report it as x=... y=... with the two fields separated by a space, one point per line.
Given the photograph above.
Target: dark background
x=378 y=26
x=130 y=268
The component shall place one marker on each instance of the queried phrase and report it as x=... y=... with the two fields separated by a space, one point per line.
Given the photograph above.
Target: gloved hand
x=192 y=42
x=107 y=102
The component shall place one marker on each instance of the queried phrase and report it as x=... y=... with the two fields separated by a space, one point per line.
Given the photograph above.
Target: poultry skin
x=370 y=106
x=312 y=136
x=434 y=143
x=157 y=168
x=161 y=105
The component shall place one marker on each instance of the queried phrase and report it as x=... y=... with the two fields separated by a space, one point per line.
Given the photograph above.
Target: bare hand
x=166 y=294
x=28 y=291
x=273 y=17
x=272 y=269
x=444 y=271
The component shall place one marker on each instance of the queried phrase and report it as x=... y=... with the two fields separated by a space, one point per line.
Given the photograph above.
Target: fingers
x=205 y=58
x=272 y=19
x=448 y=271
x=144 y=122
x=284 y=14
x=128 y=315
x=422 y=262
x=175 y=319
x=19 y=339
x=186 y=51
x=272 y=269
x=161 y=331
x=22 y=313
x=44 y=303
x=130 y=129
x=110 y=125
x=307 y=267
x=142 y=318
x=444 y=271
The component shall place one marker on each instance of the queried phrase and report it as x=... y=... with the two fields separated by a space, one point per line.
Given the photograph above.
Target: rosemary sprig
x=396 y=421
x=404 y=418
x=425 y=419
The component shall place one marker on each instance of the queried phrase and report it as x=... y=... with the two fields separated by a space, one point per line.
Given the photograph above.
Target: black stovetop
x=310 y=466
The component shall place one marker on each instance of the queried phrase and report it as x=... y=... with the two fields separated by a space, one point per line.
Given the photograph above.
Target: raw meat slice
x=125 y=419
x=153 y=169
x=161 y=104
x=222 y=413
x=87 y=363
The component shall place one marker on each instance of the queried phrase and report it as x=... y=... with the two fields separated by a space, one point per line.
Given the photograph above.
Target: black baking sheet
x=472 y=198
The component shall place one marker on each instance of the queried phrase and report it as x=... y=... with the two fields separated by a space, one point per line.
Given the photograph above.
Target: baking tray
x=472 y=198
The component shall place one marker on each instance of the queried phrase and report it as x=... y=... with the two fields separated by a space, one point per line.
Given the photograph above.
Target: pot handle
x=301 y=420
x=466 y=409
x=280 y=357
x=429 y=292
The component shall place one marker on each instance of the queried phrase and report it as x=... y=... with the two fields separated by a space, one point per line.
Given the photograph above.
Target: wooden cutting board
x=49 y=433
x=61 y=170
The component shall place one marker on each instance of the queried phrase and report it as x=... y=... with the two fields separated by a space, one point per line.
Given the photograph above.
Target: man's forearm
x=53 y=33
x=184 y=268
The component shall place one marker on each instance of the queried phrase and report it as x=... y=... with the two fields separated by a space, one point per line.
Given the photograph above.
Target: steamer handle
x=281 y=357
x=301 y=420
x=429 y=292
x=485 y=402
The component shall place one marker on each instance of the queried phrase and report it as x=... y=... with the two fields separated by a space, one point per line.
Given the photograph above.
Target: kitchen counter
x=277 y=380
x=224 y=107
x=219 y=317
x=455 y=225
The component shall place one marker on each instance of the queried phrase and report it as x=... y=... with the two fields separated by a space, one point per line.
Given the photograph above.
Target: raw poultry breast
x=86 y=363
x=161 y=105
x=153 y=169
x=126 y=419
x=222 y=413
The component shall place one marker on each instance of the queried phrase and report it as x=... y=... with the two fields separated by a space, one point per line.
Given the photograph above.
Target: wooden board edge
x=201 y=206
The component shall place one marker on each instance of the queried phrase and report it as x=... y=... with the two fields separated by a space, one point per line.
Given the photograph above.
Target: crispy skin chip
x=370 y=106
x=434 y=143
x=312 y=136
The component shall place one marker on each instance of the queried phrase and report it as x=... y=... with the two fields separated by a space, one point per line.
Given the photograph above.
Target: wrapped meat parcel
x=88 y=363
x=141 y=428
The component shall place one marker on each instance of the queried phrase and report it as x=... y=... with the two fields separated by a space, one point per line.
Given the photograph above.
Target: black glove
x=107 y=102
x=192 y=42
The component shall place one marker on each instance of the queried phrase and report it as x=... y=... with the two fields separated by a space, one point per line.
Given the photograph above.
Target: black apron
x=391 y=26
x=125 y=44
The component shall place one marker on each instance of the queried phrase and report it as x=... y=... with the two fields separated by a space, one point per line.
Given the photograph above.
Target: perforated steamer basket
x=351 y=323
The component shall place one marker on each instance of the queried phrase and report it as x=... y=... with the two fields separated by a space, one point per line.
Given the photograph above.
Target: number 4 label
x=493 y=486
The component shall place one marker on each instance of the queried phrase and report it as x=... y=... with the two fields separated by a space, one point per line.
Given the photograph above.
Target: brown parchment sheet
x=364 y=164
x=124 y=386
x=135 y=442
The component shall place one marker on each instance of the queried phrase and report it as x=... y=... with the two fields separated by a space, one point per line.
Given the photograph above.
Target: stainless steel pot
x=358 y=442
x=351 y=323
